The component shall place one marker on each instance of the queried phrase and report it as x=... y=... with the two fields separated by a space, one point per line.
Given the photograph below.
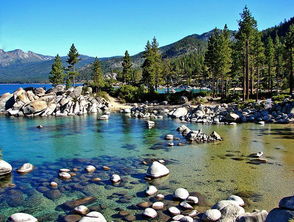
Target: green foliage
x=152 y=66
x=289 y=49
x=127 y=69
x=73 y=58
x=57 y=72
x=97 y=76
x=280 y=98
x=102 y=94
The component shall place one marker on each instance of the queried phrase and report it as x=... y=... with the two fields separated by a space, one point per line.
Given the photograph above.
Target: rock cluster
x=197 y=135
x=57 y=101
x=219 y=114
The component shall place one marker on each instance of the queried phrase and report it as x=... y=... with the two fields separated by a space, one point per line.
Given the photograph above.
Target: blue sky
x=109 y=27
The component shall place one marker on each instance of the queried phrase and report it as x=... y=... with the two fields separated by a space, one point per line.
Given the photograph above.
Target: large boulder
x=77 y=92
x=232 y=117
x=258 y=216
x=35 y=107
x=182 y=111
x=22 y=217
x=39 y=91
x=5 y=168
x=21 y=95
x=280 y=215
x=287 y=203
x=157 y=170
x=6 y=101
x=59 y=88
x=229 y=209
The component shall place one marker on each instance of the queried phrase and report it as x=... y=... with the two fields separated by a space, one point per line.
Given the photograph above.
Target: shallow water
x=213 y=170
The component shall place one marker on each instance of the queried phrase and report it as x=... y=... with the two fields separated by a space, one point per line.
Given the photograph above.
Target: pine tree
x=127 y=68
x=98 y=77
x=245 y=36
x=279 y=60
x=270 y=56
x=258 y=59
x=73 y=58
x=152 y=66
x=289 y=53
x=157 y=63
x=57 y=72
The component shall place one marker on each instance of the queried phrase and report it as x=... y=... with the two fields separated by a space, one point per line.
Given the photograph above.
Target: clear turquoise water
x=213 y=170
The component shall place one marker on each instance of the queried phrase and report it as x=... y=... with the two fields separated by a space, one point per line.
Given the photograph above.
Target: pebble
x=186 y=205
x=174 y=210
x=151 y=190
x=158 y=205
x=115 y=178
x=82 y=209
x=54 y=184
x=64 y=175
x=90 y=169
x=181 y=193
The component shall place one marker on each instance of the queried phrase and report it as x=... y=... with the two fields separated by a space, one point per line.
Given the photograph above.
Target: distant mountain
x=18 y=56
x=20 y=66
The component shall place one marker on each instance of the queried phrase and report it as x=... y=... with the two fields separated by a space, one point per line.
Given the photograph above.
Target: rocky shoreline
x=57 y=101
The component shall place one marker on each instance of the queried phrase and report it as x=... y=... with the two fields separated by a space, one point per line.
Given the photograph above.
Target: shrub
x=280 y=98
x=103 y=95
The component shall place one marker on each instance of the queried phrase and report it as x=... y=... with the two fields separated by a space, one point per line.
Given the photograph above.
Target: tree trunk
x=247 y=69
x=257 y=87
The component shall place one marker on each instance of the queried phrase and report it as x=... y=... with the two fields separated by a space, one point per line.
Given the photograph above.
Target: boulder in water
x=157 y=170
x=5 y=168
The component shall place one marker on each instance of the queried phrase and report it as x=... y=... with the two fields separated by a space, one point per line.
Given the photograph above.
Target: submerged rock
x=115 y=178
x=287 y=203
x=82 y=201
x=259 y=216
x=25 y=168
x=157 y=170
x=93 y=216
x=5 y=168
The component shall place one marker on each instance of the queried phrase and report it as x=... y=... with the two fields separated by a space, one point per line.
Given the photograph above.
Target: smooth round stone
x=115 y=178
x=144 y=204
x=53 y=184
x=64 y=175
x=157 y=170
x=287 y=203
x=22 y=217
x=5 y=168
x=193 y=199
x=151 y=190
x=159 y=197
x=72 y=218
x=238 y=199
x=181 y=193
x=169 y=137
x=149 y=212
x=211 y=215
x=90 y=169
x=25 y=168
x=170 y=144
x=174 y=210
x=93 y=216
x=158 y=205
x=64 y=170
x=186 y=205
x=130 y=218
x=178 y=217
x=82 y=209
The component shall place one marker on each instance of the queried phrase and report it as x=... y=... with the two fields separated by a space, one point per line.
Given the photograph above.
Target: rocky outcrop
x=57 y=101
x=198 y=136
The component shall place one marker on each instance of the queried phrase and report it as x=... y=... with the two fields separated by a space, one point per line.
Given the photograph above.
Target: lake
x=214 y=171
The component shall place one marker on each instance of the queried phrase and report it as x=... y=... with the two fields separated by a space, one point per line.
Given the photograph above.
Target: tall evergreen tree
x=152 y=66
x=245 y=37
x=57 y=72
x=258 y=60
x=98 y=77
x=270 y=56
x=73 y=59
x=127 y=68
x=289 y=52
x=279 y=61
x=157 y=63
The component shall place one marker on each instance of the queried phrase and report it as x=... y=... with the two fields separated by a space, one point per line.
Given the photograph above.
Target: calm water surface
x=213 y=170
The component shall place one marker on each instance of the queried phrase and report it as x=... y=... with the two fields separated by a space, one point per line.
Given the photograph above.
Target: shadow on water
x=279 y=133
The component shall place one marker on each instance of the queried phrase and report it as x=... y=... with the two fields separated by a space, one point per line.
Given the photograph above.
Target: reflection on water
x=214 y=171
